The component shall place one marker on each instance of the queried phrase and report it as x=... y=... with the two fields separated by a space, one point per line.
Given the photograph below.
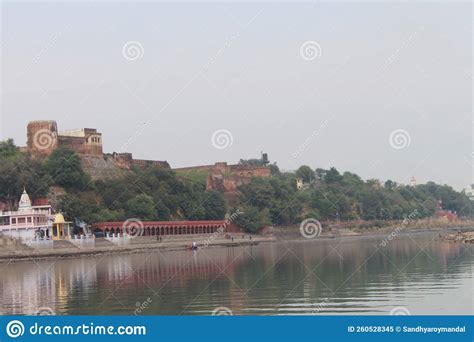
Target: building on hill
x=227 y=178
x=43 y=137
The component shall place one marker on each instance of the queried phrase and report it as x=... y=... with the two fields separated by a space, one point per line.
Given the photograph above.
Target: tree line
x=162 y=194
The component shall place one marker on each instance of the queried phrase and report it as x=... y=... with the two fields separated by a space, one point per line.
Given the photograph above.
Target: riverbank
x=65 y=249
x=374 y=228
x=460 y=237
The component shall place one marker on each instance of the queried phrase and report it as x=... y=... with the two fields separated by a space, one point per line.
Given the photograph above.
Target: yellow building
x=61 y=229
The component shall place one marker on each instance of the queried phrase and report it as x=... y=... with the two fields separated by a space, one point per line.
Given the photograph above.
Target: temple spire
x=25 y=202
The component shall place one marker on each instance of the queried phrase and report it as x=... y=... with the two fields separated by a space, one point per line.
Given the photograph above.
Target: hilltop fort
x=43 y=137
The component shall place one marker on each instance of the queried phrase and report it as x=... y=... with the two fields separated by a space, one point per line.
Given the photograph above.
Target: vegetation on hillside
x=161 y=194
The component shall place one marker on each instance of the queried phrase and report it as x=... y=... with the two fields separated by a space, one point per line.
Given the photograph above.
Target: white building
x=28 y=222
x=470 y=192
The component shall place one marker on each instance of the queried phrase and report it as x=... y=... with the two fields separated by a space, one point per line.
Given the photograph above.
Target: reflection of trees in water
x=356 y=269
x=272 y=276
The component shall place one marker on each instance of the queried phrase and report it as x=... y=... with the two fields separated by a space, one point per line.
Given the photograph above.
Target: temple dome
x=25 y=201
x=59 y=218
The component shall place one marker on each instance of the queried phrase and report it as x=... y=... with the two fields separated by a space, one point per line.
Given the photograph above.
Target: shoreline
x=65 y=253
x=146 y=245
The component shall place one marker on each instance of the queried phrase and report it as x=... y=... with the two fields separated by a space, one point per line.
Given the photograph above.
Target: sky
x=380 y=89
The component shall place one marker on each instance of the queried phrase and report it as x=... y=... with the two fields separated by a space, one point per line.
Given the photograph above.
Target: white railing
x=118 y=240
x=40 y=243
x=82 y=241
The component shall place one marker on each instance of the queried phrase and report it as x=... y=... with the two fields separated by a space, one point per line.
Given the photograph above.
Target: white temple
x=29 y=222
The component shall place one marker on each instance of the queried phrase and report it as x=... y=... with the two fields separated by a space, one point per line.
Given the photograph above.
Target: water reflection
x=347 y=276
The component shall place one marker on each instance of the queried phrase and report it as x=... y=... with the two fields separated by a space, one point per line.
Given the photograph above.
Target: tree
x=252 y=219
x=19 y=171
x=141 y=207
x=333 y=176
x=390 y=185
x=306 y=173
x=65 y=168
x=8 y=149
x=214 y=205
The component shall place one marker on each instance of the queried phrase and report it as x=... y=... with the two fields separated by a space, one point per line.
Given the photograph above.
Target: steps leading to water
x=9 y=244
x=63 y=244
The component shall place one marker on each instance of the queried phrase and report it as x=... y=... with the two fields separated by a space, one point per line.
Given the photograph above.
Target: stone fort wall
x=43 y=138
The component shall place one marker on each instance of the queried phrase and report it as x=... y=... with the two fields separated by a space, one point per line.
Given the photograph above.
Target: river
x=413 y=273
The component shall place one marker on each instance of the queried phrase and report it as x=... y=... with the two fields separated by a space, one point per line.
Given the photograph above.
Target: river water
x=414 y=273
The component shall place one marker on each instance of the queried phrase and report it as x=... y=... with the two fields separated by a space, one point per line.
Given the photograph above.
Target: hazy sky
x=248 y=69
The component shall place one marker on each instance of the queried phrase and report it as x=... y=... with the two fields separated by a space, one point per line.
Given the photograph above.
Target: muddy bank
x=459 y=237
x=375 y=228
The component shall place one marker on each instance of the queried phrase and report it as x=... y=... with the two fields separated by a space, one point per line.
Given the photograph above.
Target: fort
x=227 y=178
x=43 y=138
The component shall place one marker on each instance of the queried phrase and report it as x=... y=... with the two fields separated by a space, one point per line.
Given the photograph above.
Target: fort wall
x=43 y=138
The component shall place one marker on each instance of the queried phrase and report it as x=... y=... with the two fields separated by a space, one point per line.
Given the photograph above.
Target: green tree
x=8 y=149
x=306 y=173
x=64 y=166
x=141 y=207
